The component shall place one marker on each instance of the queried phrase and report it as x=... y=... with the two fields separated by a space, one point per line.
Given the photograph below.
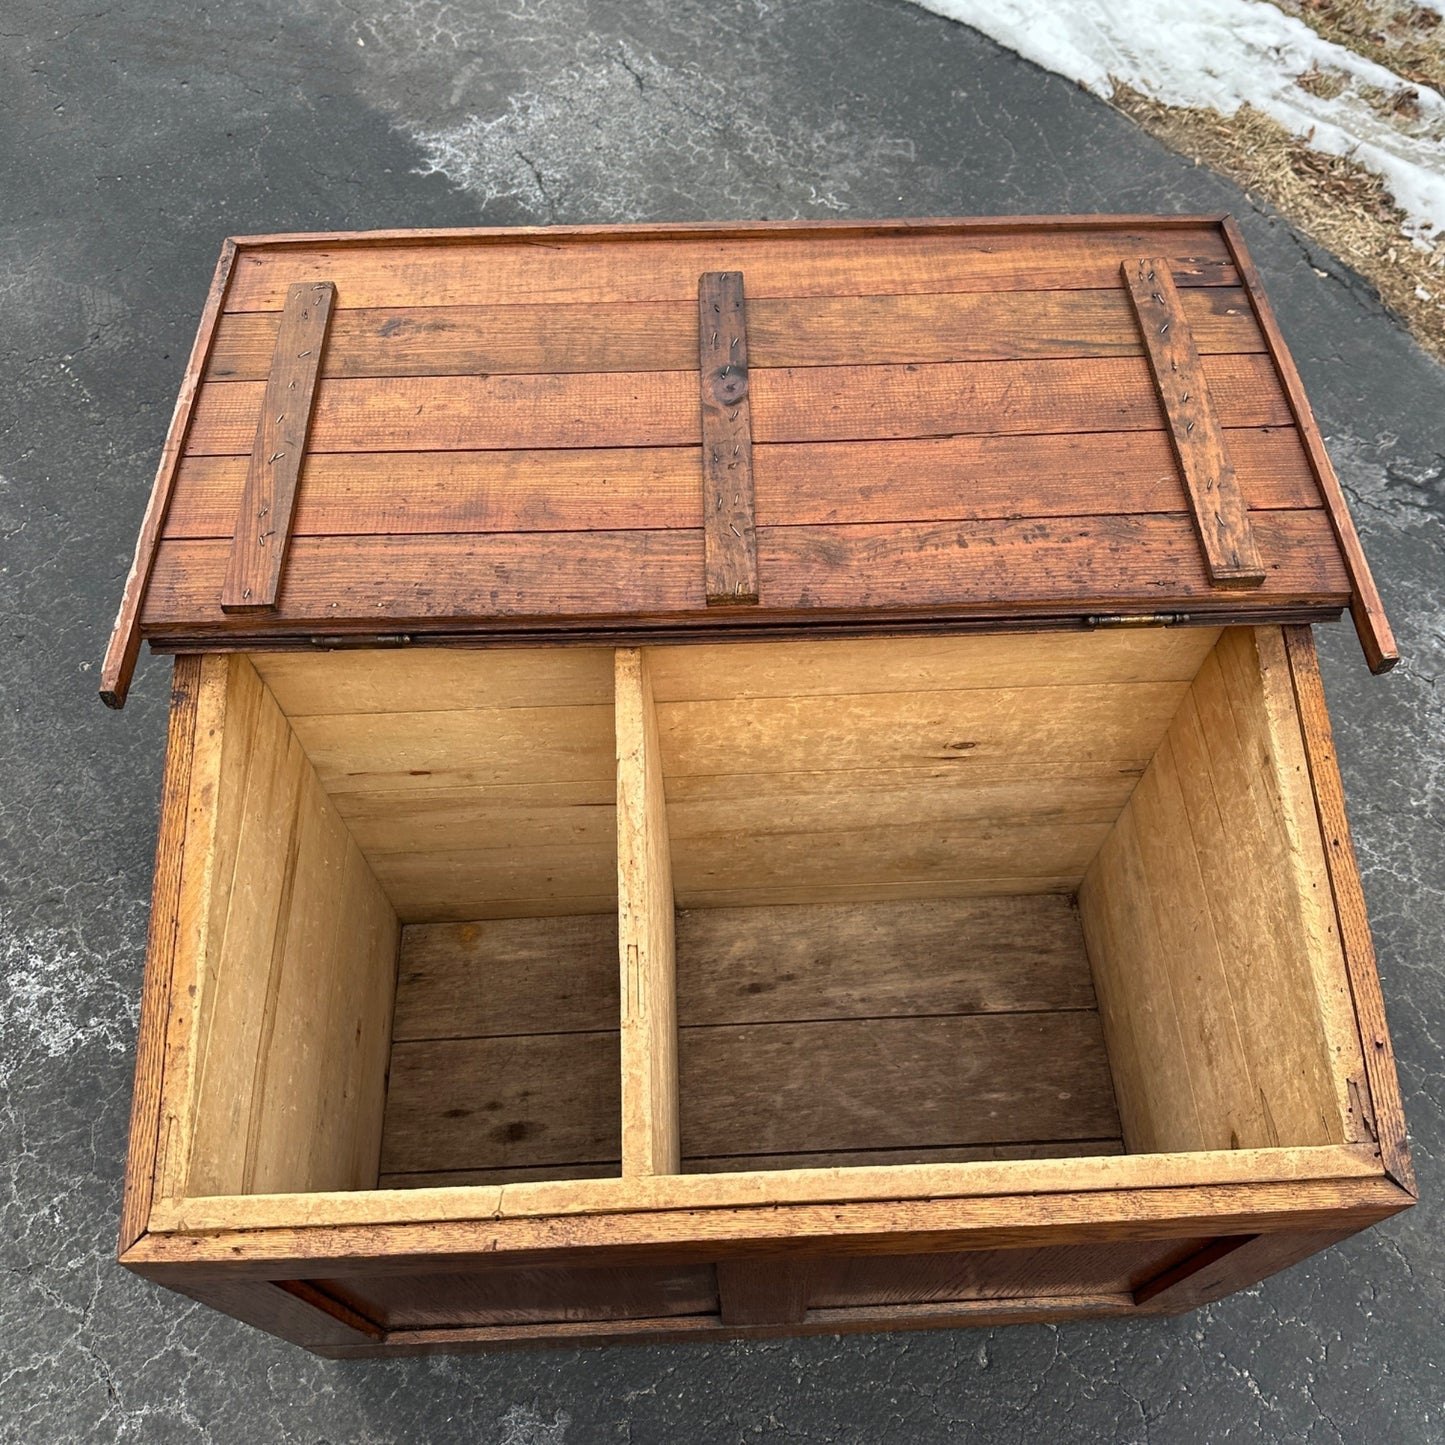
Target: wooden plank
x=527 y=1295
x=783 y=331
x=436 y=679
x=295 y=977
x=1386 y=1120
x=894 y=1083
x=491 y=978
x=123 y=648
x=556 y=269
x=893 y=1158
x=1233 y=1264
x=987 y=955
x=1125 y=1189
x=1230 y=554
x=1206 y=918
x=746 y=1163
x=502 y=1103
x=268 y=499
x=827 y=667
x=1366 y=608
x=729 y=529
x=280 y=1309
x=788 y=404
x=651 y=488
x=162 y=941
x=646 y=941
x=1015 y=566
x=767 y=1291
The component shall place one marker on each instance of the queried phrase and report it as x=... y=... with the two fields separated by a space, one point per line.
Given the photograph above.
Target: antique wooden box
x=745 y=780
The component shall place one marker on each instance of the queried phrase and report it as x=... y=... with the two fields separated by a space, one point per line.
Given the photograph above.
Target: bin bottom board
x=809 y=1036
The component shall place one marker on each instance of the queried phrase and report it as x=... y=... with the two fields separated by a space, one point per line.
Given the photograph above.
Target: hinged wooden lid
x=624 y=432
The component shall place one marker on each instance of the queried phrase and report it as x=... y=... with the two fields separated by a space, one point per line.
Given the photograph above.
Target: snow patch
x=1221 y=54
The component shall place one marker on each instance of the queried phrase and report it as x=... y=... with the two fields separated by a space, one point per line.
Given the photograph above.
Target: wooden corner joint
x=268 y=498
x=730 y=543
x=1221 y=518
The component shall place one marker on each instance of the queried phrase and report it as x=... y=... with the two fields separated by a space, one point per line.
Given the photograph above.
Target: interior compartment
x=478 y=917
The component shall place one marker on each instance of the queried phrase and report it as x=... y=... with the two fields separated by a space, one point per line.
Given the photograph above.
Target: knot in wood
x=729 y=384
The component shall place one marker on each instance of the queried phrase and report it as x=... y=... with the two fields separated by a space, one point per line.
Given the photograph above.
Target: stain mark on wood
x=1218 y=507
x=268 y=499
x=730 y=544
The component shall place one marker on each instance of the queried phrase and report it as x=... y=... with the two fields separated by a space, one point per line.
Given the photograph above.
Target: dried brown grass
x=1408 y=38
x=1334 y=200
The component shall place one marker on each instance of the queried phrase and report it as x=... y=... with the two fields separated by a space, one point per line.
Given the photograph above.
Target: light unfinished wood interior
x=741 y=906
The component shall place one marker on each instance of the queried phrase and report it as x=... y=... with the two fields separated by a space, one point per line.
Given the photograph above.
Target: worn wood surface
x=1366 y=608
x=767 y=1291
x=1087 y=564
x=893 y=1083
x=782 y=331
x=162 y=940
x=1208 y=923
x=1385 y=1122
x=881 y=960
x=286 y=999
x=123 y=647
x=496 y=977
x=655 y=488
x=948 y=417
x=647 y=952
x=1216 y=502
x=789 y=261
x=268 y=498
x=729 y=526
x=788 y=404
x=516 y=1101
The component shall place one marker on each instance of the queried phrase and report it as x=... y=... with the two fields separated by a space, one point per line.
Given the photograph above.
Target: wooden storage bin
x=630 y=946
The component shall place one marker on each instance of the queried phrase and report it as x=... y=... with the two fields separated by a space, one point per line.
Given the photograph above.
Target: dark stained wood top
x=953 y=423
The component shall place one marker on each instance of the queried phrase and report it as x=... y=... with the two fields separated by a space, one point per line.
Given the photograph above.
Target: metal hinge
x=1136 y=619
x=360 y=639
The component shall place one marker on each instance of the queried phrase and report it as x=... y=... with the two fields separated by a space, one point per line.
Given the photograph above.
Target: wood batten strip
x=730 y=541
x=646 y=942
x=1219 y=511
x=268 y=499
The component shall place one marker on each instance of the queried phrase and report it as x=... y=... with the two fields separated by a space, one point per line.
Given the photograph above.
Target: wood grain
x=783 y=331
x=1386 y=1121
x=766 y=1291
x=517 y=976
x=893 y=1083
x=646 y=939
x=788 y=404
x=1206 y=919
x=268 y=498
x=553 y=269
x=505 y=1103
x=1216 y=502
x=651 y=488
x=1082 y=564
x=1366 y=607
x=985 y=955
x=729 y=528
x=162 y=941
x=123 y=647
